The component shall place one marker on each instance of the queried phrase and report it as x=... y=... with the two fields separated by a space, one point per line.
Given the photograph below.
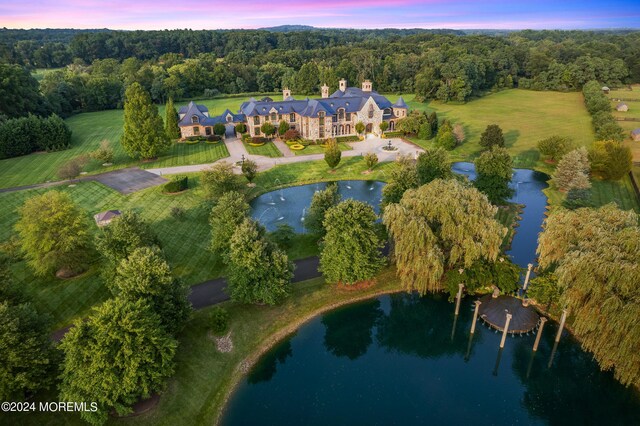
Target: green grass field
x=319 y=149
x=524 y=116
x=632 y=99
x=268 y=150
x=89 y=129
x=184 y=241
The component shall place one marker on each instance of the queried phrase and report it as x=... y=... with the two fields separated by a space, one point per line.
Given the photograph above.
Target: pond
x=404 y=360
x=289 y=205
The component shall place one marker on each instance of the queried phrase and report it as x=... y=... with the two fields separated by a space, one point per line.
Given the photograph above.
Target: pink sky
x=461 y=14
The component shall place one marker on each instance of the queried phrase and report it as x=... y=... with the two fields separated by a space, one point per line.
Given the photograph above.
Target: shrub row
x=348 y=139
x=24 y=135
x=599 y=107
x=176 y=184
x=210 y=138
x=394 y=134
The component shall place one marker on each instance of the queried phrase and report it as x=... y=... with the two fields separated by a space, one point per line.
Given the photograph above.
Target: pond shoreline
x=244 y=367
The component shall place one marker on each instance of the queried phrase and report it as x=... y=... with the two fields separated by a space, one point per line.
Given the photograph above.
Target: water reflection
x=348 y=331
x=392 y=361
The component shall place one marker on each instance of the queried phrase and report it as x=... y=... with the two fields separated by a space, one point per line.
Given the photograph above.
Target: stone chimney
x=285 y=93
x=325 y=91
x=343 y=85
x=366 y=86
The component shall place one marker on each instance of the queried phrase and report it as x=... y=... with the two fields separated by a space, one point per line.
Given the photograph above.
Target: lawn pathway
x=211 y=292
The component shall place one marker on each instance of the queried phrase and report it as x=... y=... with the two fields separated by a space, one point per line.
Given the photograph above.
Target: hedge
x=393 y=134
x=297 y=147
x=24 y=135
x=176 y=184
x=347 y=139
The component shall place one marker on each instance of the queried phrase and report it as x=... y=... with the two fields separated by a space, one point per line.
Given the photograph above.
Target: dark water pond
x=403 y=360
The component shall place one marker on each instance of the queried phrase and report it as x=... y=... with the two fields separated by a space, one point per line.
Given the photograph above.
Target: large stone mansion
x=329 y=116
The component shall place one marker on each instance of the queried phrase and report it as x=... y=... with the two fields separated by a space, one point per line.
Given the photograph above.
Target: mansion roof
x=352 y=100
x=201 y=111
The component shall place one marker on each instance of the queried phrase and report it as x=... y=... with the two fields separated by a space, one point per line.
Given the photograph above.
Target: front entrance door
x=230 y=130
x=369 y=128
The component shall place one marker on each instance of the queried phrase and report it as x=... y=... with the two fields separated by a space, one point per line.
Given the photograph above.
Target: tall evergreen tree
x=228 y=213
x=143 y=136
x=351 y=246
x=491 y=136
x=171 y=127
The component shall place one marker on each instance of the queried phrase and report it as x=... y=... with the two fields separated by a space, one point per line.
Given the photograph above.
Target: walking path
x=283 y=148
x=212 y=292
x=237 y=150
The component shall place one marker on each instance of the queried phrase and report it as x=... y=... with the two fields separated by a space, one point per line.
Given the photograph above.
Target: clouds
x=457 y=14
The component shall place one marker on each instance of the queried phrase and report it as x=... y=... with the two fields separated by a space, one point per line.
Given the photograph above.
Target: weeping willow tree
x=441 y=226
x=596 y=256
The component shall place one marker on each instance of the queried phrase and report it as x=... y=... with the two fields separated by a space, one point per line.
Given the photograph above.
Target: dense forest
x=97 y=66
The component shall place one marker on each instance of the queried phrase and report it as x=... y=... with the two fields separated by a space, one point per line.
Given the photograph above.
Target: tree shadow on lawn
x=510 y=138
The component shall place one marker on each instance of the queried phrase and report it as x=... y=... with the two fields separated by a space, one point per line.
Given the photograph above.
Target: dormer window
x=195 y=119
x=341 y=114
x=274 y=116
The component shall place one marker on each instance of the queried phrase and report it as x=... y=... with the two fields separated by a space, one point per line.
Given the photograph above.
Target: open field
x=632 y=99
x=525 y=117
x=184 y=241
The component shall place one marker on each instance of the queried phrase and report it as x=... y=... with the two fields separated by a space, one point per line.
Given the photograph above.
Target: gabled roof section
x=192 y=109
x=200 y=108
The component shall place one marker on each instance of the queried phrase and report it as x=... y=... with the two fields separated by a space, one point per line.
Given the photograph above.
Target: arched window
x=321 y=118
x=274 y=116
x=341 y=129
x=347 y=129
x=341 y=114
x=370 y=111
x=194 y=119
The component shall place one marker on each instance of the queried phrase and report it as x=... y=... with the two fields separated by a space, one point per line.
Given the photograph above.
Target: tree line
x=445 y=65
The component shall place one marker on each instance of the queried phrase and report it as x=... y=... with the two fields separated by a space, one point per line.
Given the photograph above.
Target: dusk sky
x=457 y=14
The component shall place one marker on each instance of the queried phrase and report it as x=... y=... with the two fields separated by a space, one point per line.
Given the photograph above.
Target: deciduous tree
x=259 y=272
x=54 y=234
x=573 y=171
x=320 y=203
x=228 y=213
x=555 y=147
x=351 y=247
x=117 y=356
x=440 y=226
x=433 y=164
x=595 y=254
x=492 y=136
x=494 y=170
x=145 y=274
x=219 y=179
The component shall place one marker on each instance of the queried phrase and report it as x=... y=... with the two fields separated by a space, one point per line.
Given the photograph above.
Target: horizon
x=494 y=15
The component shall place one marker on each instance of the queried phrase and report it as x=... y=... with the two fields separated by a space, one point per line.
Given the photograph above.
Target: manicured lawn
x=319 y=149
x=632 y=99
x=524 y=116
x=204 y=376
x=268 y=150
x=89 y=129
x=603 y=192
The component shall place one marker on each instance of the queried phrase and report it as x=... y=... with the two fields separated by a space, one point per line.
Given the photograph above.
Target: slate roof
x=400 y=103
x=621 y=105
x=194 y=109
x=636 y=131
x=352 y=100
x=201 y=108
